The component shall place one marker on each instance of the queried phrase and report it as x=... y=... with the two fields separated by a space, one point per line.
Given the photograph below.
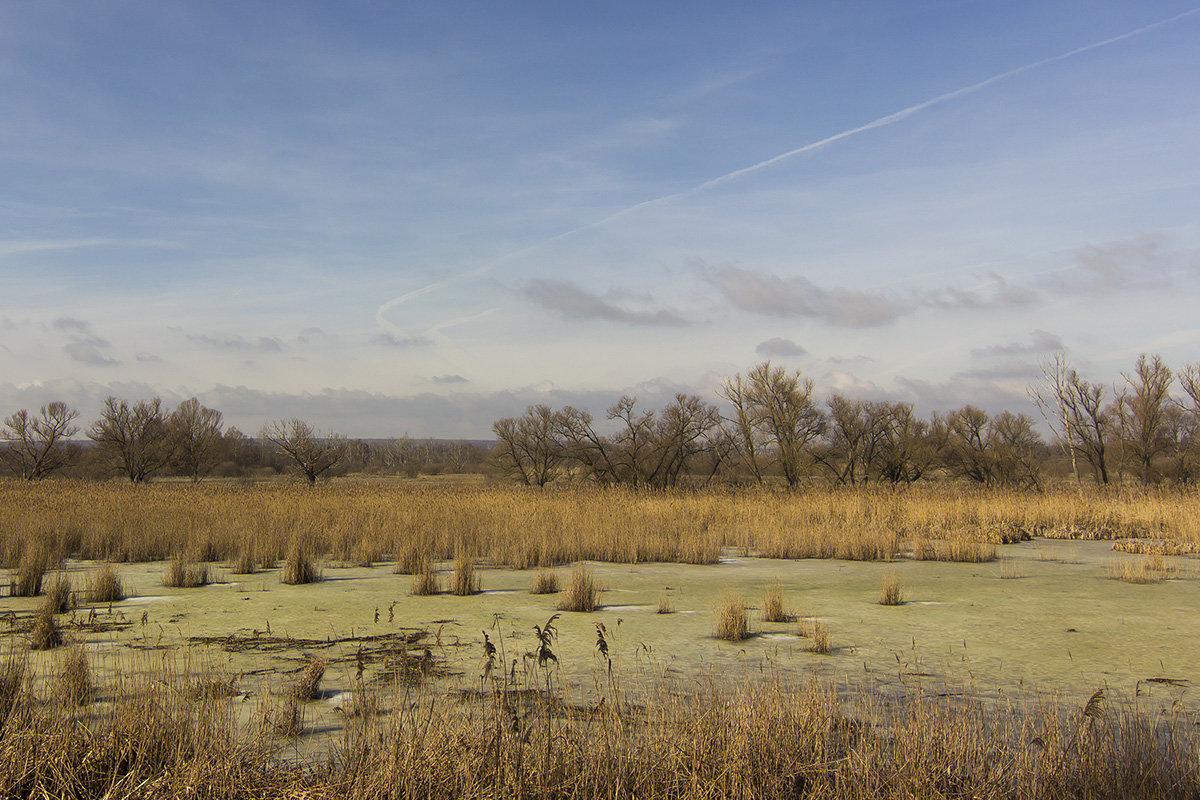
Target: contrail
x=881 y=122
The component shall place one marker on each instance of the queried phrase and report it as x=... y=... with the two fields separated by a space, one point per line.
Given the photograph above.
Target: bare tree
x=781 y=410
x=38 y=446
x=991 y=450
x=529 y=448
x=1141 y=409
x=743 y=431
x=311 y=452
x=198 y=438
x=1075 y=411
x=1050 y=397
x=136 y=439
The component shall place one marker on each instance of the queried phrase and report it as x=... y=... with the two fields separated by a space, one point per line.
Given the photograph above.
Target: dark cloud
x=573 y=303
x=266 y=344
x=389 y=339
x=315 y=335
x=771 y=295
x=72 y=325
x=1001 y=294
x=778 y=347
x=990 y=392
x=1039 y=342
x=148 y=358
x=88 y=352
x=449 y=379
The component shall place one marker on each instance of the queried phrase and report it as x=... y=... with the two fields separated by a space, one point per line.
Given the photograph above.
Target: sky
x=391 y=218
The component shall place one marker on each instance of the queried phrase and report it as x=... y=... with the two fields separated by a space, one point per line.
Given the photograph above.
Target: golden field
x=358 y=522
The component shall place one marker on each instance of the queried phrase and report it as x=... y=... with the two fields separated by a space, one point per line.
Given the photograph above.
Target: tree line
x=145 y=438
x=773 y=428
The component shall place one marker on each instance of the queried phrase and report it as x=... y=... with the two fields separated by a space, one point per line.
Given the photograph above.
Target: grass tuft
x=244 y=563
x=425 y=579
x=664 y=604
x=545 y=581
x=466 y=578
x=45 y=633
x=182 y=575
x=298 y=567
x=732 y=621
x=772 y=604
x=582 y=592
x=28 y=581
x=105 y=586
x=820 y=638
x=891 y=594
x=308 y=682
x=58 y=594
x=75 y=685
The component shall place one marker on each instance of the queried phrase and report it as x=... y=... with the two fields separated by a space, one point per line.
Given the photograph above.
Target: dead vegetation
x=105 y=586
x=544 y=581
x=891 y=594
x=732 y=622
x=299 y=567
x=582 y=592
x=183 y=575
x=772 y=604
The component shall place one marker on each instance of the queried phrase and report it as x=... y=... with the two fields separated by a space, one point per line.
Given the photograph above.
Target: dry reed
x=582 y=591
x=772 y=604
x=182 y=575
x=664 y=604
x=308 y=681
x=30 y=572
x=466 y=578
x=544 y=581
x=425 y=579
x=58 y=595
x=45 y=633
x=732 y=623
x=820 y=638
x=298 y=567
x=891 y=595
x=105 y=586
x=75 y=685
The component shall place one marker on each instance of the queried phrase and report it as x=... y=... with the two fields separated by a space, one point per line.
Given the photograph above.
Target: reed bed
x=520 y=527
x=691 y=740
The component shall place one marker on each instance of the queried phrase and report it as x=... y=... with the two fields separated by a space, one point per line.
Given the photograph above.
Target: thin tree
x=136 y=439
x=311 y=452
x=1142 y=410
x=38 y=446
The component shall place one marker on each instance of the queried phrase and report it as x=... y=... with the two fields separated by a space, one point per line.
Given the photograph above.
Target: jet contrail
x=889 y=119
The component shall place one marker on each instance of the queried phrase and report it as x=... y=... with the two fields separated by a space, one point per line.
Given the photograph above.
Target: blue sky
x=389 y=218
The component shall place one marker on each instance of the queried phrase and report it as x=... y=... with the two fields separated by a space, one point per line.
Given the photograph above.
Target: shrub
x=75 y=678
x=307 y=685
x=891 y=594
x=28 y=581
x=820 y=638
x=582 y=592
x=732 y=621
x=425 y=579
x=544 y=582
x=181 y=575
x=58 y=595
x=298 y=567
x=772 y=604
x=45 y=634
x=105 y=586
x=466 y=579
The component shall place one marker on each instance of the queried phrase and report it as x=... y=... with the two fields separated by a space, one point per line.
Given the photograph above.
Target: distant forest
x=772 y=430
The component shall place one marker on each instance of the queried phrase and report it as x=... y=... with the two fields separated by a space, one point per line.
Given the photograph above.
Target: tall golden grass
x=359 y=522
x=687 y=740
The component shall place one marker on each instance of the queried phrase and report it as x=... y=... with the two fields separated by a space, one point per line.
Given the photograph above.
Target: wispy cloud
x=84 y=347
x=1146 y=261
x=1039 y=342
x=771 y=295
x=574 y=303
x=449 y=379
x=396 y=340
x=266 y=344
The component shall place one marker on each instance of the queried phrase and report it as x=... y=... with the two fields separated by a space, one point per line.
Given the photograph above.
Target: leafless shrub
x=772 y=604
x=425 y=579
x=466 y=578
x=891 y=594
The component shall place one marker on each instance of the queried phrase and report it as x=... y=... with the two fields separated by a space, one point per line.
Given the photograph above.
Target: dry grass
x=891 y=595
x=664 y=604
x=582 y=592
x=466 y=578
x=1135 y=570
x=58 y=594
x=308 y=681
x=45 y=633
x=767 y=740
x=74 y=681
x=732 y=623
x=425 y=579
x=772 y=604
x=30 y=572
x=820 y=638
x=105 y=586
x=544 y=581
x=244 y=563
x=182 y=575
x=517 y=527
x=299 y=567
